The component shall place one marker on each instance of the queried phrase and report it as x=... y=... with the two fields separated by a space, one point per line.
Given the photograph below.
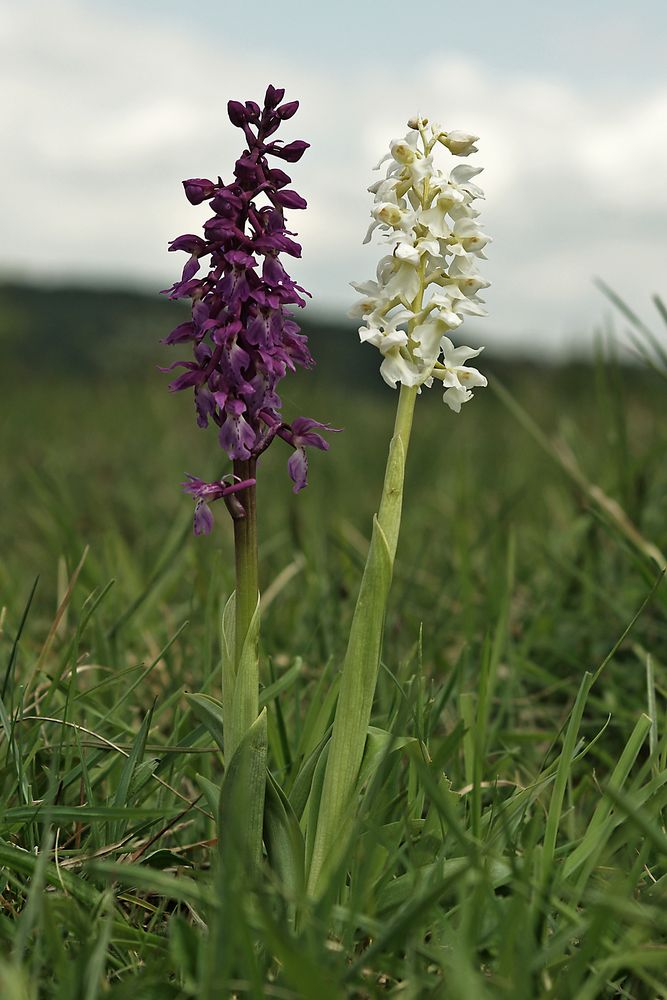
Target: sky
x=109 y=105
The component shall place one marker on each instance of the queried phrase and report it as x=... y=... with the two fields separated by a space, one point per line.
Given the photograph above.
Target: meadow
x=510 y=837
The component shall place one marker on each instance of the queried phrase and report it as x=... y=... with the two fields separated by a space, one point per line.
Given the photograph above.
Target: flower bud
x=198 y=189
x=253 y=111
x=460 y=143
x=286 y=111
x=292 y=152
x=278 y=177
x=288 y=199
x=273 y=96
x=237 y=113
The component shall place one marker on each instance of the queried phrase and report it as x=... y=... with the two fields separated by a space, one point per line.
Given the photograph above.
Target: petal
x=203 y=520
x=297 y=466
x=464 y=172
x=454 y=397
x=456 y=356
x=472 y=378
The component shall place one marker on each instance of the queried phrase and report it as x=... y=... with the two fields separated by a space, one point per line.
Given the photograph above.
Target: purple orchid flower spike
x=243 y=333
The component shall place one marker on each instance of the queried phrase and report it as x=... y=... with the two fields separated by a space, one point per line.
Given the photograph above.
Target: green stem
x=245 y=545
x=391 y=503
x=362 y=661
x=240 y=624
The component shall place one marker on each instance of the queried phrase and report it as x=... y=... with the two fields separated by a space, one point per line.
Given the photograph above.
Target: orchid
x=430 y=282
x=244 y=340
x=423 y=290
x=244 y=336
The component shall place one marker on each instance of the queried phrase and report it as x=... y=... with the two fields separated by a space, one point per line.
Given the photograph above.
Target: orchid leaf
x=242 y=799
x=208 y=711
x=240 y=682
x=283 y=838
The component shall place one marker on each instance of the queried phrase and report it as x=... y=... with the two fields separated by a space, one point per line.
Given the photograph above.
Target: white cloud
x=107 y=113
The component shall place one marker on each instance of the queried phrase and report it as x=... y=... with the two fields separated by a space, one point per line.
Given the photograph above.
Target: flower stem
x=362 y=661
x=245 y=545
x=389 y=514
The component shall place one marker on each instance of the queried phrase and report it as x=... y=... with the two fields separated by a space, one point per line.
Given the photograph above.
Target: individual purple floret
x=243 y=334
x=205 y=493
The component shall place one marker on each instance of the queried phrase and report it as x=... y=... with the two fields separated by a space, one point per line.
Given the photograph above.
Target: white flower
x=461 y=176
x=470 y=307
x=403 y=150
x=434 y=219
x=374 y=298
x=464 y=276
x=397 y=368
x=455 y=396
x=412 y=250
x=467 y=237
x=426 y=286
x=457 y=378
x=404 y=281
x=387 y=188
x=429 y=335
x=388 y=215
x=379 y=326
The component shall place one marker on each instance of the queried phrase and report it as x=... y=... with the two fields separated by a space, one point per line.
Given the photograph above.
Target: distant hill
x=81 y=330
x=72 y=330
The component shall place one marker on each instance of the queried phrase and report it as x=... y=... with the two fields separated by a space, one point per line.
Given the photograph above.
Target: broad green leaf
x=380 y=743
x=309 y=819
x=281 y=684
x=209 y=712
x=228 y=633
x=362 y=658
x=240 y=693
x=354 y=703
x=300 y=790
x=317 y=722
x=211 y=792
x=242 y=800
x=400 y=889
x=283 y=838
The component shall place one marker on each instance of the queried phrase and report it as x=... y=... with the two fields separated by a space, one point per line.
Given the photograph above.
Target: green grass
x=510 y=836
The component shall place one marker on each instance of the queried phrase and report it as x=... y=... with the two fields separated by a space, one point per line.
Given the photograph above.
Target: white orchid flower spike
x=429 y=282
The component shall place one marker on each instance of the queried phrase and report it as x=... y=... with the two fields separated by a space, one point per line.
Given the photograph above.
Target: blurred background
x=109 y=105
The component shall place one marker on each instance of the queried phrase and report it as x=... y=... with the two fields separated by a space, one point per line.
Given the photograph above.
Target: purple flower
x=301 y=434
x=205 y=493
x=242 y=331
